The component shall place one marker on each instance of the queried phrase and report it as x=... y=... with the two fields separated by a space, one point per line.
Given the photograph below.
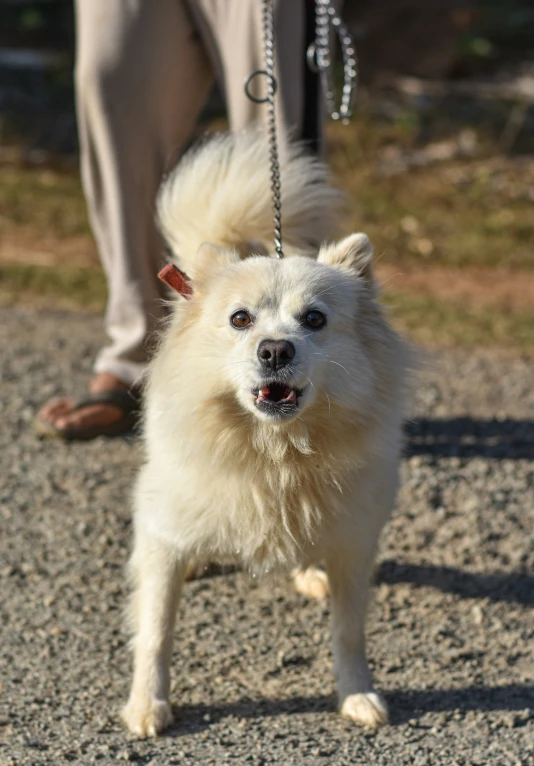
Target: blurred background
x=438 y=163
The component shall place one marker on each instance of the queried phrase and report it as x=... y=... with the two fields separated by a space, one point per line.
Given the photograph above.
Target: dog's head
x=279 y=336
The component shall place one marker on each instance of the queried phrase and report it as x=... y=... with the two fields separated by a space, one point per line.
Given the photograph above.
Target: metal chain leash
x=319 y=60
x=268 y=45
x=268 y=72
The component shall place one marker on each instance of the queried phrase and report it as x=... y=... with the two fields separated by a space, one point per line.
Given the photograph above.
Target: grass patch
x=433 y=322
x=42 y=200
x=69 y=287
x=457 y=215
x=474 y=212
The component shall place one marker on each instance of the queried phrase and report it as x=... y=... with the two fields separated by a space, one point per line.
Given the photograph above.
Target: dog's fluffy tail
x=220 y=193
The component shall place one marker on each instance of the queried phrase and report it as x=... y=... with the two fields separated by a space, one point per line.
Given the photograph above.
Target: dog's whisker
x=331 y=361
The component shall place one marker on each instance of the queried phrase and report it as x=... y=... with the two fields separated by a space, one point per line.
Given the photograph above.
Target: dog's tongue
x=276 y=393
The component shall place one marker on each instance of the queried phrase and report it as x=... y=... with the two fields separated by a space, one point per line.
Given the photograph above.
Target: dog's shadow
x=404 y=705
x=513 y=587
x=467 y=437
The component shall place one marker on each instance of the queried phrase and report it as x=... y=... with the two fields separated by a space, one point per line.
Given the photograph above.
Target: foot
x=312 y=583
x=147 y=718
x=61 y=414
x=368 y=708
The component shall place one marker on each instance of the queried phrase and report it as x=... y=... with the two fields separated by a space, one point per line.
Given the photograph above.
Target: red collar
x=176 y=279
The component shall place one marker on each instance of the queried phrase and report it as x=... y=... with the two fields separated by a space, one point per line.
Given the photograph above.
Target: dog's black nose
x=274 y=354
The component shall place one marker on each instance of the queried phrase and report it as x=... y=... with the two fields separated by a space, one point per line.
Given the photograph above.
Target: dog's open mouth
x=277 y=398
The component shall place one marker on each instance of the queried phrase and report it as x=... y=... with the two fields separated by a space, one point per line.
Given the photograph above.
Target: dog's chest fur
x=271 y=497
x=282 y=514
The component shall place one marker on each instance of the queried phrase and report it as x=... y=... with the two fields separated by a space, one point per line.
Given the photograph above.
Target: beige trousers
x=144 y=70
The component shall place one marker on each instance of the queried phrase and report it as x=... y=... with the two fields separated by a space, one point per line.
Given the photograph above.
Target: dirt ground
x=449 y=634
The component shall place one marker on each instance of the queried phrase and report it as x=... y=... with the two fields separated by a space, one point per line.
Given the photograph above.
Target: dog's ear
x=354 y=253
x=210 y=258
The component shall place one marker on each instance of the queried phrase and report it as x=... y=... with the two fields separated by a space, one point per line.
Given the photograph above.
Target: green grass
x=460 y=213
x=463 y=213
x=434 y=322
x=47 y=201
x=69 y=287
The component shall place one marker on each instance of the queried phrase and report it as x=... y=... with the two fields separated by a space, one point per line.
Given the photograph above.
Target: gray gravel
x=450 y=633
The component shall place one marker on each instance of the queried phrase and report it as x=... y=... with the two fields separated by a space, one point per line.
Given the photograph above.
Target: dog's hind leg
x=311 y=582
x=158 y=577
x=348 y=574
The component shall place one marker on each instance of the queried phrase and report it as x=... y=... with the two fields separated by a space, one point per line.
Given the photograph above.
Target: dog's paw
x=147 y=718
x=312 y=582
x=368 y=708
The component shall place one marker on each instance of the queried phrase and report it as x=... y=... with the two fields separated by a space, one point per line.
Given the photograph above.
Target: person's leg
x=142 y=77
x=233 y=33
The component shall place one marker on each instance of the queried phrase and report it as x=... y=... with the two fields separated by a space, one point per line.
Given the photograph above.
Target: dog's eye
x=241 y=319
x=315 y=320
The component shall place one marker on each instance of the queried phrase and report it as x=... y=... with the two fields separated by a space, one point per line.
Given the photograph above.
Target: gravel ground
x=450 y=634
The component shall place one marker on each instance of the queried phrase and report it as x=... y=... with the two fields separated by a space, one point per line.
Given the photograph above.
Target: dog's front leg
x=158 y=576
x=348 y=575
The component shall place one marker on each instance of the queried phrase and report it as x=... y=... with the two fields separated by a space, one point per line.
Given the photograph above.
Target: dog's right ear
x=210 y=258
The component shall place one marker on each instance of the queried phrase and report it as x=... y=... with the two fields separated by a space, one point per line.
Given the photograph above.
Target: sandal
x=128 y=401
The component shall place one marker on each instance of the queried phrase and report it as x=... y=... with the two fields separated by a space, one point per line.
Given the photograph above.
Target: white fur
x=223 y=479
x=222 y=194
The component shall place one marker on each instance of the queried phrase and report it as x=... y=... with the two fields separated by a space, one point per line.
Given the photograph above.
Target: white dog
x=273 y=410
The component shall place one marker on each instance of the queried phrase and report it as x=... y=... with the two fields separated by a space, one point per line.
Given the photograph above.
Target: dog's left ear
x=354 y=253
